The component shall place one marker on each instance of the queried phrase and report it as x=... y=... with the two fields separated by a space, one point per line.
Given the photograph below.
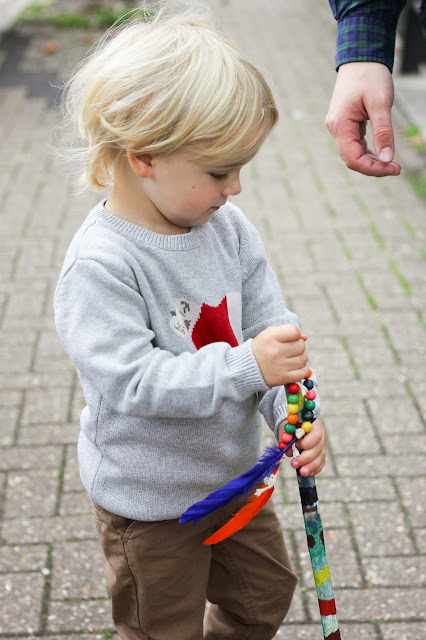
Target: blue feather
x=238 y=487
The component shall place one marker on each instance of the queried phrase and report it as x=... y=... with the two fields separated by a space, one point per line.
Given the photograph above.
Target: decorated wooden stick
x=317 y=553
x=257 y=486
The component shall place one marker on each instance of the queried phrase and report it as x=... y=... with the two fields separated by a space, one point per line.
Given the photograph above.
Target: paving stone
x=75 y=502
x=341 y=556
x=45 y=530
x=351 y=434
x=31 y=493
x=403 y=631
x=22 y=558
x=420 y=536
x=77 y=571
x=20 y=602
x=380 y=529
x=296 y=612
x=392 y=572
x=348 y=490
x=83 y=615
x=40 y=380
x=34 y=457
x=413 y=491
x=15 y=359
x=388 y=415
x=369 y=466
x=398 y=442
x=72 y=481
x=10 y=399
x=8 y=421
x=49 y=434
x=367 y=605
x=299 y=631
x=405 y=330
x=46 y=405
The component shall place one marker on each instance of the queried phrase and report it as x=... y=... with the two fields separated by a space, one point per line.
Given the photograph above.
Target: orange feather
x=241 y=518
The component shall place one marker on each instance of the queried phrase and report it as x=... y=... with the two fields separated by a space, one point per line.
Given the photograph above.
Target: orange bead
x=292 y=418
x=309 y=374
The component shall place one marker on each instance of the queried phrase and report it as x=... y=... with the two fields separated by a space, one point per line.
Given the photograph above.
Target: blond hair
x=169 y=82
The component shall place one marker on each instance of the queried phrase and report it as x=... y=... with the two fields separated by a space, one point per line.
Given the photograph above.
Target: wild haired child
x=178 y=330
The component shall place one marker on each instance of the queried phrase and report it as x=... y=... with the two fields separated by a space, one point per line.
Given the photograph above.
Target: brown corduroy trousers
x=160 y=575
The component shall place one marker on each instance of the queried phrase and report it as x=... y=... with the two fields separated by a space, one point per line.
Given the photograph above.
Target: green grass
x=402 y=279
x=414 y=136
x=377 y=236
x=412 y=131
x=93 y=17
x=369 y=296
x=418 y=183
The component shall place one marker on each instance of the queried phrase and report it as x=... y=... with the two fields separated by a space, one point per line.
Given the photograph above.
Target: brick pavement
x=354 y=242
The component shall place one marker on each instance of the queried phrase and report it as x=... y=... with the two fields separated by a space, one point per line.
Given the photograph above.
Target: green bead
x=290 y=428
x=293 y=398
x=309 y=405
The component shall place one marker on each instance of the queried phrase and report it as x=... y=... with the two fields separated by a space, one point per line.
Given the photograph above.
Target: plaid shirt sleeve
x=366 y=30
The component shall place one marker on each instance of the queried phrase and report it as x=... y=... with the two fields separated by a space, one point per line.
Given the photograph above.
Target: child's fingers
x=314 y=466
x=308 y=456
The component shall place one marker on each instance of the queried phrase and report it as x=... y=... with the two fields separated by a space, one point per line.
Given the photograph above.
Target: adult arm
x=364 y=86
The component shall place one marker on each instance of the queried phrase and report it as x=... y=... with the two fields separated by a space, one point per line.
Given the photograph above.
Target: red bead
x=286 y=437
x=281 y=445
x=311 y=395
x=293 y=388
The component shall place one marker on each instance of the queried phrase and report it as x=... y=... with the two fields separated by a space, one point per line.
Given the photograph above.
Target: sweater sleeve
x=103 y=323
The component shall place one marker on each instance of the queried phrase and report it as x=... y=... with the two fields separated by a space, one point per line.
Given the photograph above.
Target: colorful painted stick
x=257 y=486
x=317 y=553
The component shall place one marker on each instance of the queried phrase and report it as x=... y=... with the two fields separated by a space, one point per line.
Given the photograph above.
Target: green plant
x=418 y=182
x=414 y=135
x=92 y=17
x=34 y=10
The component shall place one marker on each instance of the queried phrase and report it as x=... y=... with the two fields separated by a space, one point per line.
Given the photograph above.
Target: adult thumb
x=383 y=139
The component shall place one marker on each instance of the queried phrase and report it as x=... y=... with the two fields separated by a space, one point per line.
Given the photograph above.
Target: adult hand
x=364 y=91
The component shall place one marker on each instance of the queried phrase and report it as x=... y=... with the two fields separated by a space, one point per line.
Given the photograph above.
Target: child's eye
x=219 y=176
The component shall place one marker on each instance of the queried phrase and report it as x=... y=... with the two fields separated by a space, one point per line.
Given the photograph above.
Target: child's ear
x=140 y=164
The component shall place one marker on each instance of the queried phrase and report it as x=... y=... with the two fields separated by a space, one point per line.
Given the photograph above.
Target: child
x=177 y=328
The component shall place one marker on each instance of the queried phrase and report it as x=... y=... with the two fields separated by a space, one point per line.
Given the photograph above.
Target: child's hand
x=281 y=354
x=314 y=447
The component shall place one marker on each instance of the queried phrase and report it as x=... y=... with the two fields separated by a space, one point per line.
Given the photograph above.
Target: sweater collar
x=177 y=242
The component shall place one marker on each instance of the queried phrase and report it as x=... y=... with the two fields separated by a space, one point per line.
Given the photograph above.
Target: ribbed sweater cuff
x=245 y=371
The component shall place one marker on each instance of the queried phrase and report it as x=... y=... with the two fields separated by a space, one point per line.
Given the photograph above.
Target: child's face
x=187 y=193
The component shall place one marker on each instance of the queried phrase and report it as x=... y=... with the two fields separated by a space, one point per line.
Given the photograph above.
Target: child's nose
x=233 y=187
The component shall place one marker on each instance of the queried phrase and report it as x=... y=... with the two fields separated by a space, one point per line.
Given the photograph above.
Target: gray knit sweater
x=160 y=328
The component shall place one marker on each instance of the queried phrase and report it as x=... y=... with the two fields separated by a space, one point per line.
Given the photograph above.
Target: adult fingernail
x=386 y=154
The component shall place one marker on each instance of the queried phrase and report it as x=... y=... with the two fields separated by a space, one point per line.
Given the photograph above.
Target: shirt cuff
x=365 y=39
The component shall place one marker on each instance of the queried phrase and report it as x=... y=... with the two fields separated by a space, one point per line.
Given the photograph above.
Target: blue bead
x=308 y=415
x=308 y=384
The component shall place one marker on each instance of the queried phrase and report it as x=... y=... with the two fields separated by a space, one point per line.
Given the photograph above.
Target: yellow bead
x=307 y=426
x=301 y=401
x=293 y=408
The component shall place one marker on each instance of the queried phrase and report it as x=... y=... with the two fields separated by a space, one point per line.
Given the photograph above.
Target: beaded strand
x=300 y=406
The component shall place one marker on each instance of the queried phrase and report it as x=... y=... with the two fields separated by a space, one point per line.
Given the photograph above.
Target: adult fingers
x=353 y=149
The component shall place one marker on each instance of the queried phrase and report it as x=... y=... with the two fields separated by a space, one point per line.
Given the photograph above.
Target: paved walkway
x=348 y=252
